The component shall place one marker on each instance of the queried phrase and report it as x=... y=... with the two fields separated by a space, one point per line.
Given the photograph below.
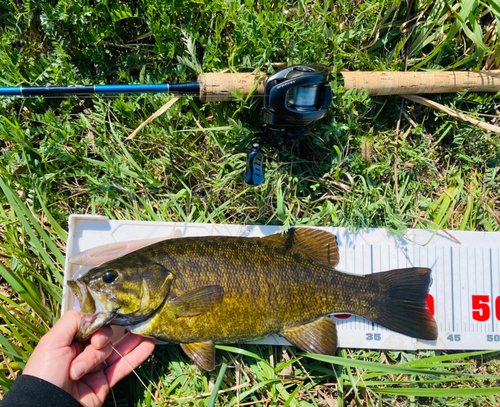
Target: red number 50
x=480 y=308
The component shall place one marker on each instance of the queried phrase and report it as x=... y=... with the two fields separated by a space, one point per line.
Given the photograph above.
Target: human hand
x=77 y=367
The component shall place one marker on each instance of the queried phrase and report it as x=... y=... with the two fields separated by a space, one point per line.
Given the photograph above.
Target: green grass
x=63 y=156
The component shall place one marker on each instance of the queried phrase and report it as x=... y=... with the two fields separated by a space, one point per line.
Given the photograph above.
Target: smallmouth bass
x=201 y=291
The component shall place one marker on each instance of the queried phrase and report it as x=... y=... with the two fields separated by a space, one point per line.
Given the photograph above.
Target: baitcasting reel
x=293 y=98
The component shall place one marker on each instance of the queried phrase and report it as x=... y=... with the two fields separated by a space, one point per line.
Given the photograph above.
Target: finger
x=125 y=365
x=99 y=368
x=78 y=347
x=123 y=346
x=88 y=360
x=94 y=385
x=101 y=337
x=64 y=330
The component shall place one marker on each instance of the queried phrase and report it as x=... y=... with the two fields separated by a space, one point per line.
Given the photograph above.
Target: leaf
x=25 y=215
x=377 y=367
x=453 y=113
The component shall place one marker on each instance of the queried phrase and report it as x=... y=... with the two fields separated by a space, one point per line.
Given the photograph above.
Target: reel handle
x=220 y=86
x=255 y=171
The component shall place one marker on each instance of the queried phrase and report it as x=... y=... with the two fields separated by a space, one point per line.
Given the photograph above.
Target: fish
x=202 y=291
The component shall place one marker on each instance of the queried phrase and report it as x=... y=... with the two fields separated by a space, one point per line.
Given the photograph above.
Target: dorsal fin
x=318 y=245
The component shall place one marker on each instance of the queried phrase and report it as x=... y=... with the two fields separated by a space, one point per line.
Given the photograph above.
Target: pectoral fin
x=319 y=336
x=201 y=353
x=198 y=301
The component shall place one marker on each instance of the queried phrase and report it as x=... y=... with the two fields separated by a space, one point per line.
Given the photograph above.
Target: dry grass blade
x=453 y=113
x=156 y=114
x=436 y=225
x=135 y=373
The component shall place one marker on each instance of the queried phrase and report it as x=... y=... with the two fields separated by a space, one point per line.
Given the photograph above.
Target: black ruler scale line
x=498 y=268
x=452 y=292
x=475 y=269
x=463 y=301
x=346 y=243
x=438 y=256
x=458 y=291
x=371 y=259
x=371 y=272
x=493 y=302
x=484 y=328
x=469 y=299
x=357 y=322
x=434 y=262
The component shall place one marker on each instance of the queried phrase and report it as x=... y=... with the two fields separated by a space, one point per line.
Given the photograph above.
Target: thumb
x=64 y=331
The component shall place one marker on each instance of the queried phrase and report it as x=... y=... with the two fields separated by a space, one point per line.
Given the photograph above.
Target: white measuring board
x=464 y=296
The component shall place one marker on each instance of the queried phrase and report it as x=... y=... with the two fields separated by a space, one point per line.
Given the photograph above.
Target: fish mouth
x=95 y=315
x=92 y=316
x=91 y=323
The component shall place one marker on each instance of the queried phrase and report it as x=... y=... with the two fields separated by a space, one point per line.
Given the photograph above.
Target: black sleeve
x=30 y=391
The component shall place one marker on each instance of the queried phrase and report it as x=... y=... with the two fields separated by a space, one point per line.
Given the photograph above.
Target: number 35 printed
x=373 y=337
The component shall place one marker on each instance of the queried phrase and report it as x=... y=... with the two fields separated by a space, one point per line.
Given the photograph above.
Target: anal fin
x=201 y=353
x=319 y=336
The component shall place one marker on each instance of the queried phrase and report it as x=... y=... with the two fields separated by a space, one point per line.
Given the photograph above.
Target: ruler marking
x=475 y=269
x=380 y=258
x=482 y=268
x=458 y=325
x=371 y=272
x=354 y=260
x=452 y=290
x=356 y=318
x=436 y=303
x=436 y=262
x=460 y=290
x=371 y=259
x=492 y=299
x=397 y=257
x=463 y=296
x=414 y=256
x=363 y=258
x=498 y=264
x=469 y=299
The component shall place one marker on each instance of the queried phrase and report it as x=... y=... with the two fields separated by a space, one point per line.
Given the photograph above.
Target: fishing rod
x=293 y=98
x=221 y=86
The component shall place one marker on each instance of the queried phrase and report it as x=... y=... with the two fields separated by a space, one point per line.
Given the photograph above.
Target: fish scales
x=275 y=289
x=198 y=291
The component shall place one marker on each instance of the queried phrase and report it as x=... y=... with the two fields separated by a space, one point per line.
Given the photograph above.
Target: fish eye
x=110 y=276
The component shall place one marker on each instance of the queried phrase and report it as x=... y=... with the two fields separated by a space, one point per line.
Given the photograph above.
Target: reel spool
x=293 y=99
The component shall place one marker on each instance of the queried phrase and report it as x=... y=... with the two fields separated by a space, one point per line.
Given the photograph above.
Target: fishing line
x=113 y=395
x=133 y=370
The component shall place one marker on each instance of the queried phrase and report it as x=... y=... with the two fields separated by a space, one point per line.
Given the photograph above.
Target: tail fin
x=403 y=307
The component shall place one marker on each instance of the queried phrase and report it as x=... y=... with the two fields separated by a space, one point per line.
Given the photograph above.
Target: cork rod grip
x=219 y=86
x=406 y=83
